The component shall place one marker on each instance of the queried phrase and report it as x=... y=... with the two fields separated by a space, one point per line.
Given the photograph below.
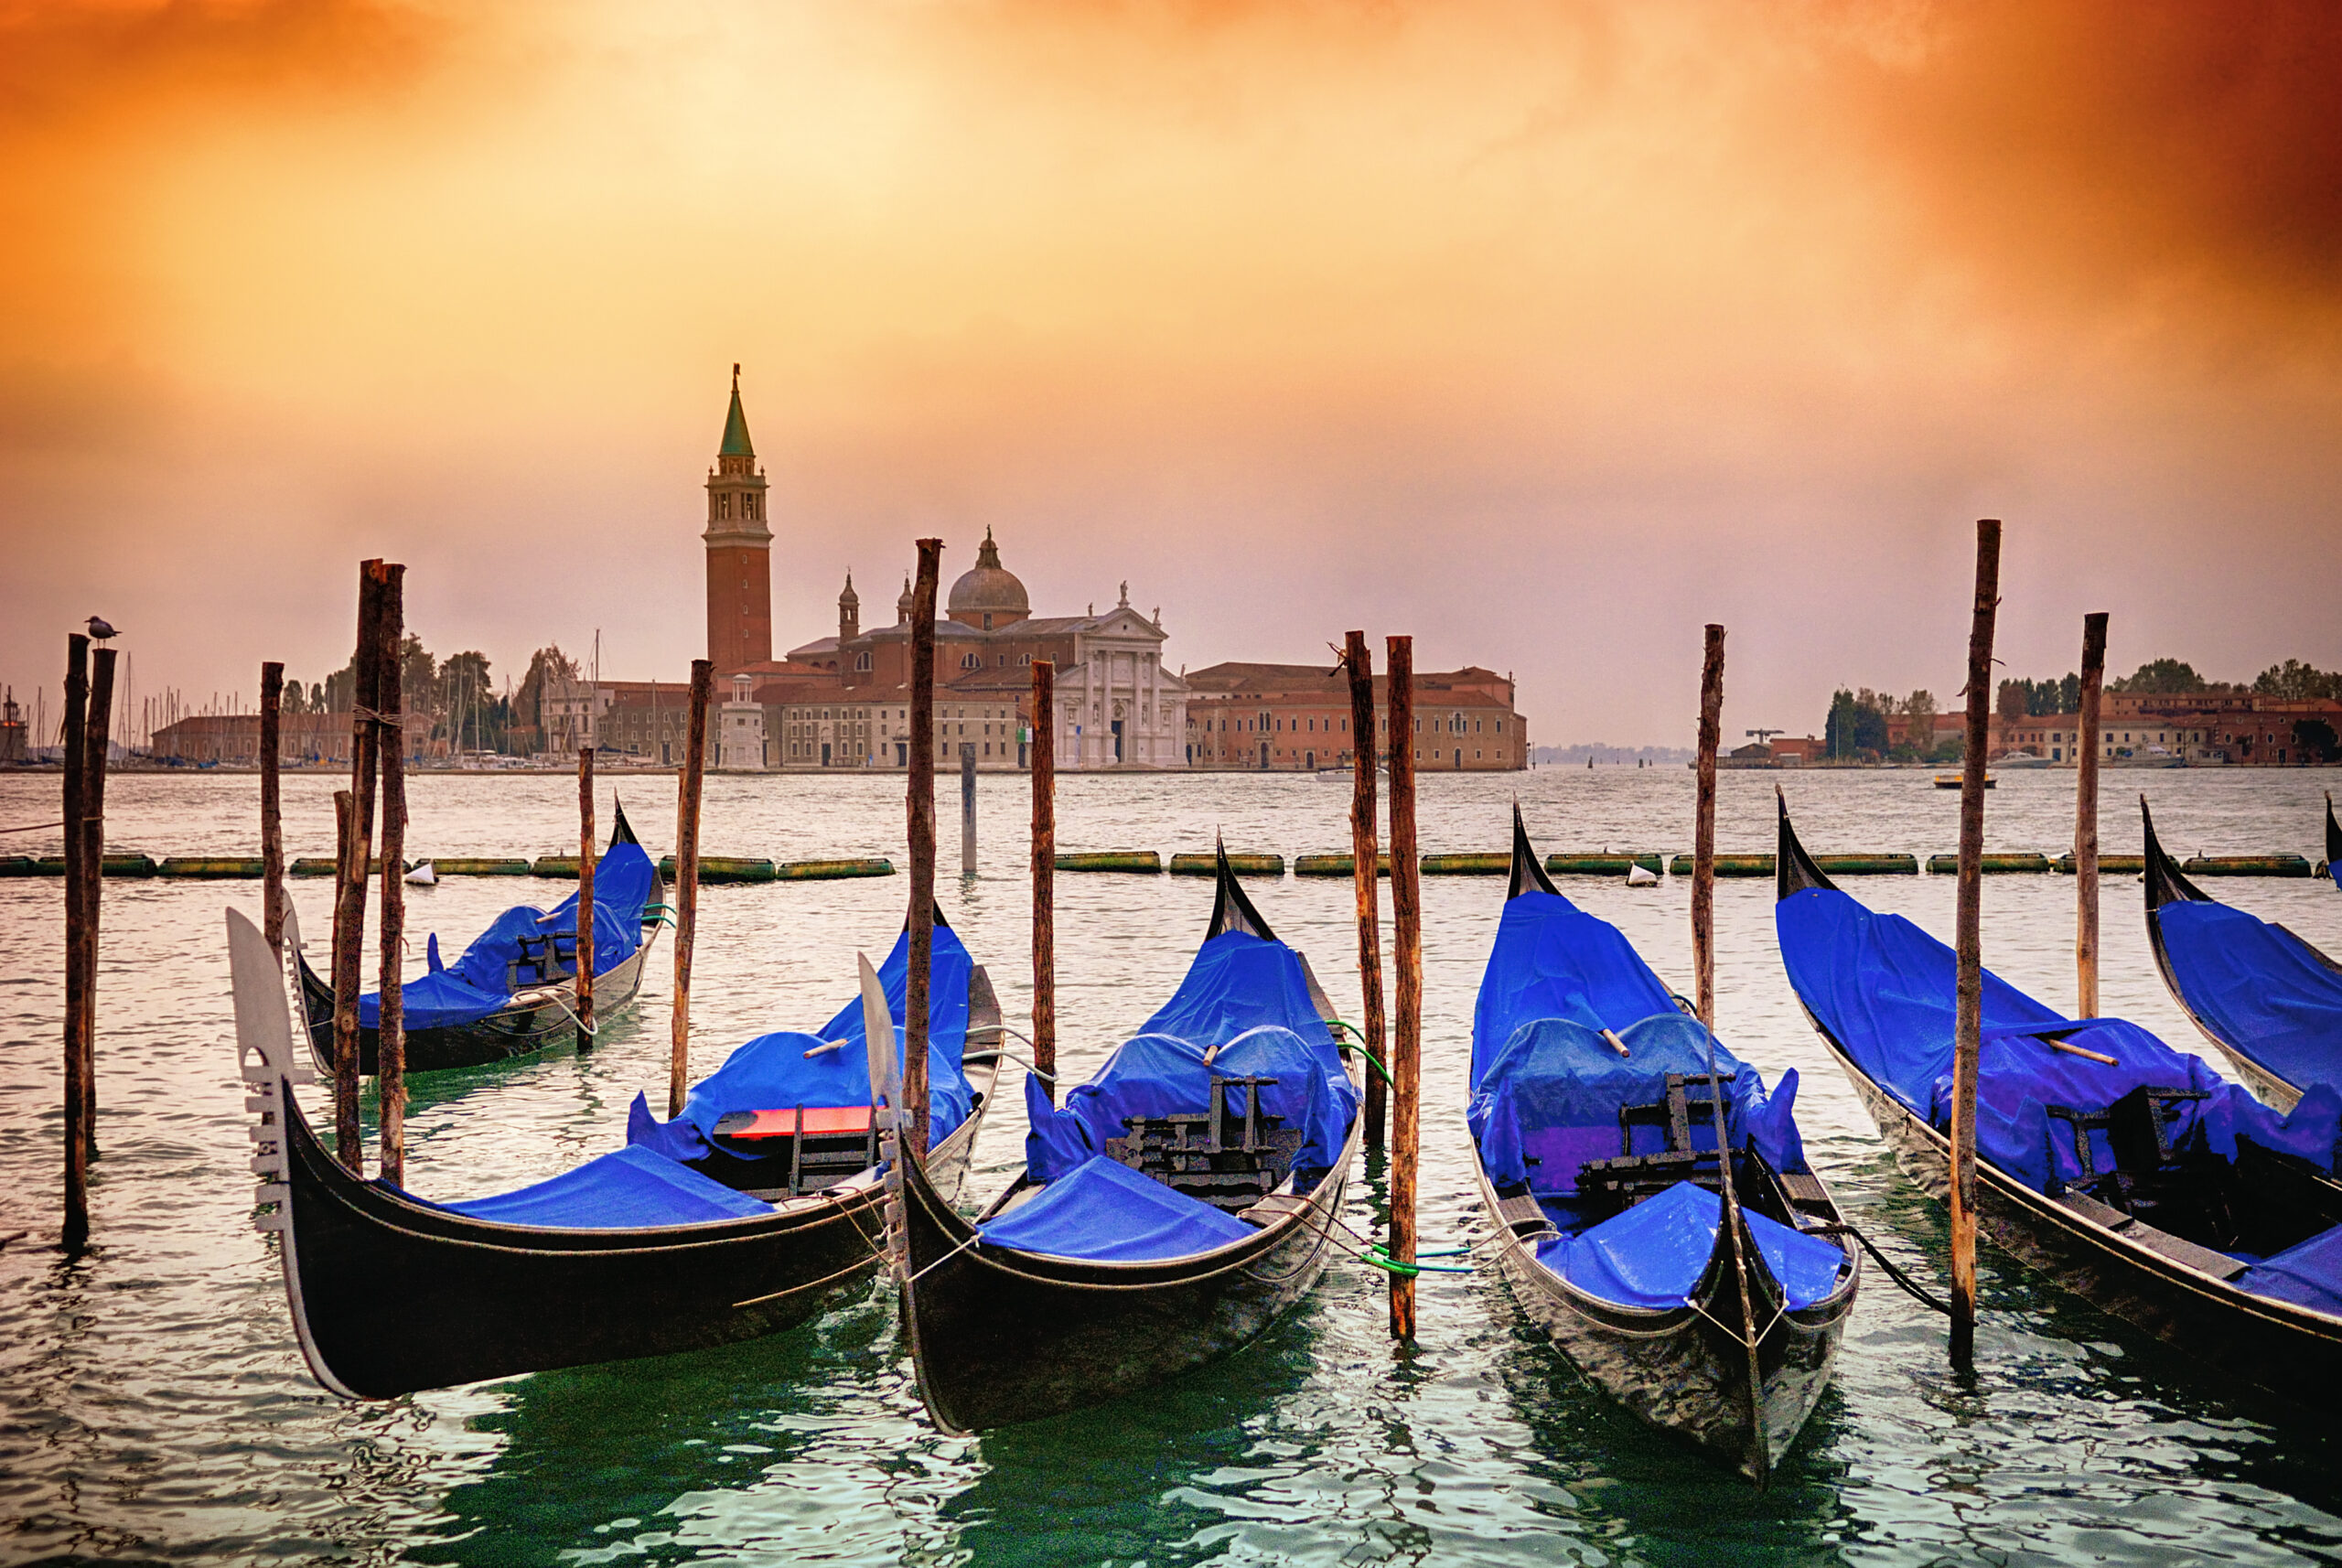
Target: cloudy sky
x=1545 y=332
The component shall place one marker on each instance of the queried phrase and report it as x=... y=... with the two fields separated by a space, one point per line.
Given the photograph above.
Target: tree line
x=1857 y=728
x=453 y=700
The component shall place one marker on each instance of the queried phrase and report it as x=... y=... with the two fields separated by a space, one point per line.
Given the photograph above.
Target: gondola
x=2333 y=843
x=1184 y=1198
x=514 y=990
x=632 y=1255
x=1594 y=1096
x=2125 y=1171
x=2269 y=1001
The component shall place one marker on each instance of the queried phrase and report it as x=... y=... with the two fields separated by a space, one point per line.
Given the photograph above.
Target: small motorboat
x=1953 y=780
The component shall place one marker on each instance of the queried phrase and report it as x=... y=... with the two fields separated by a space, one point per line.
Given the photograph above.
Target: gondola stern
x=1528 y=875
x=1230 y=909
x=2166 y=883
x=621 y=830
x=2333 y=841
x=1794 y=870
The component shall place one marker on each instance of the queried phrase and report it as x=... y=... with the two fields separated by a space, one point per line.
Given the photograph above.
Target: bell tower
x=739 y=550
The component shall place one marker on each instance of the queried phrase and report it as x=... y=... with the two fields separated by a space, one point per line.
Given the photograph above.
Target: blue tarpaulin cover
x=1243 y=1011
x=2263 y=991
x=1653 y=1254
x=625 y=1190
x=478 y=983
x=1554 y=961
x=1885 y=990
x=772 y=1072
x=1103 y=1210
x=2308 y=1275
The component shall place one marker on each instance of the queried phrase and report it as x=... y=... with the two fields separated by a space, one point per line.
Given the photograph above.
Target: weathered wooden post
x=81 y=944
x=921 y=812
x=967 y=809
x=1407 y=952
x=390 y=1050
x=2086 y=818
x=272 y=808
x=1045 y=866
x=679 y=1060
x=1968 y=1025
x=98 y=737
x=1704 y=832
x=1365 y=852
x=357 y=852
x=585 y=911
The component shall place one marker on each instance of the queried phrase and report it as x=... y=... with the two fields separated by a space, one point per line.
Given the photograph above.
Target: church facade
x=844 y=701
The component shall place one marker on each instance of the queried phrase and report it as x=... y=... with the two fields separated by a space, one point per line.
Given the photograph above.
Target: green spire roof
x=735 y=426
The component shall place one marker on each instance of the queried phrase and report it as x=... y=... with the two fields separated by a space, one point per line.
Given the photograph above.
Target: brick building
x=233 y=740
x=1297 y=716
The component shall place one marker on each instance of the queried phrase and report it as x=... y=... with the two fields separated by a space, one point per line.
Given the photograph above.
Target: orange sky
x=1546 y=332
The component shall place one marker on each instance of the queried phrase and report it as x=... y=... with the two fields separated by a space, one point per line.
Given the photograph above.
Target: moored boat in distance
x=514 y=990
x=2125 y=1171
x=2269 y=1001
x=631 y=1254
x=1183 y=1199
x=1954 y=780
x=1594 y=1113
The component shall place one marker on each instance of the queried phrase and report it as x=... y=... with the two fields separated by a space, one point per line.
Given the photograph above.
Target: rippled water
x=156 y=1407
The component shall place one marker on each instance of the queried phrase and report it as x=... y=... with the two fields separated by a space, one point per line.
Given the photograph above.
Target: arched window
x=970 y=661
x=862 y=661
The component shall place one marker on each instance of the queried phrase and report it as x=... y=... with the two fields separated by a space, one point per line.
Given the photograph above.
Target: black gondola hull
x=2291 y=1351
x=1001 y=1336
x=1686 y=1371
x=391 y=1295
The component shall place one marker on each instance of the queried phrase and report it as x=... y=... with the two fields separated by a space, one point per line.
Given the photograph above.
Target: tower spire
x=735 y=425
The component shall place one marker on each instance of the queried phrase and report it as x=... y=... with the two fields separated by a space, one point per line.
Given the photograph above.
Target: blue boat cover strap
x=1885 y=990
x=1103 y=1210
x=772 y=1072
x=1653 y=1255
x=1554 y=961
x=1550 y=1101
x=625 y=1190
x=1250 y=1003
x=479 y=983
x=2263 y=992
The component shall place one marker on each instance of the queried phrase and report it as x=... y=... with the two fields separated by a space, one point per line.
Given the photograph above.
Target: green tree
x=2315 y=737
x=2295 y=681
x=2162 y=677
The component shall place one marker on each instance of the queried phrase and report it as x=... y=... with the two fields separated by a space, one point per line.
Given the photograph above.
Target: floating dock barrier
x=2214 y=865
x=210 y=865
x=323 y=865
x=824 y=870
x=1145 y=861
x=1336 y=864
x=2108 y=865
x=126 y=864
x=1241 y=864
x=1868 y=864
x=18 y=865
x=1602 y=864
x=1727 y=866
x=713 y=869
x=1990 y=864
x=478 y=865
x=1466 y=864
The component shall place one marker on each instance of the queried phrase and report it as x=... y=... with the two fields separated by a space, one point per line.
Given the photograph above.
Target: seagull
x=98 y=628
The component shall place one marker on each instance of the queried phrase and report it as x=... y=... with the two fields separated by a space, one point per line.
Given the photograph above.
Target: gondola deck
x=2172 y=1288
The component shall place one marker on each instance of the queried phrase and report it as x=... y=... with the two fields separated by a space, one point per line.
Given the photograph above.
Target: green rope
x=1383 y=1260
x=1360 y=1046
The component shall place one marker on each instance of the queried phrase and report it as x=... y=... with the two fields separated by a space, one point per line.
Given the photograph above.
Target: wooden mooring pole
x=920 y=810
x=272 y=808
x=98 y=739
x=679 y=1055
x=1407 y=954
x=2086 y=818
x=1703 y=831
x=585 y=911
x=81 y=945
x=1358 y=659
x=967 y=809
x=390 y=1050
x=1045 y=866
x=1968 y=1024
x=357 y=852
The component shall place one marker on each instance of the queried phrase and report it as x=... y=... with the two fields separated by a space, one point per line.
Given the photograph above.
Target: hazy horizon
x=1546 y=333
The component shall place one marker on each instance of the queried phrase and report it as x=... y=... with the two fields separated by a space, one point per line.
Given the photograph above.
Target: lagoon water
x=156 y=1409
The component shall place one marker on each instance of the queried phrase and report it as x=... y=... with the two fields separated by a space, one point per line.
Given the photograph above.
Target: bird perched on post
x=99 y=629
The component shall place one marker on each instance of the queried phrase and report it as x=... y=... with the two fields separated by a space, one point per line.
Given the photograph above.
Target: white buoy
x=1641 y=877
x=422 y=875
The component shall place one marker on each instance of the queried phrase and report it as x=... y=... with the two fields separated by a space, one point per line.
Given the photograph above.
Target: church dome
x=988 y=591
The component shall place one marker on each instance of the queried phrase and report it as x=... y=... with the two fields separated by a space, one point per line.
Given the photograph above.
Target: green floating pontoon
x=2108 y=865
x=2235 y=866
x=1241 y=864
x=1139 y=860
x=1990 y=864
x=210 y=865
x=1602 y=863
x=1466 y=864
x=1336 y=864
x=1727 y=866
